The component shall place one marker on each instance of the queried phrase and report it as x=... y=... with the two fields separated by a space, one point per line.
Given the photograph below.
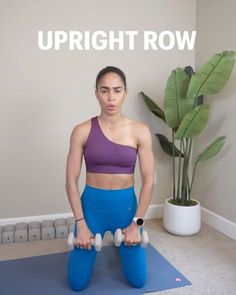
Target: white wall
x=215 y=180
x=43 y=95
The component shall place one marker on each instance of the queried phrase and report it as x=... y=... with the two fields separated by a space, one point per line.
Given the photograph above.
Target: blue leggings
x=106 y=210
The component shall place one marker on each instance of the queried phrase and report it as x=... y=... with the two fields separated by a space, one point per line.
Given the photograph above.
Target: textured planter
x=182 y=220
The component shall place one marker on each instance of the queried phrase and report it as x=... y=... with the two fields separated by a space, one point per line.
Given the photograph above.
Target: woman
x=110 y=144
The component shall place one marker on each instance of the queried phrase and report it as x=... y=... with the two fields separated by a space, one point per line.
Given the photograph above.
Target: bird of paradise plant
x=186 y=114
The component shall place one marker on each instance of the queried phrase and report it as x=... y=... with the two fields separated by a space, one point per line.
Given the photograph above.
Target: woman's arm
x=73 y=168
x=146 y=163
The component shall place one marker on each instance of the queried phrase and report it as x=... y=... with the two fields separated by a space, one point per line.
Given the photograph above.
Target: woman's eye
x=116 y=91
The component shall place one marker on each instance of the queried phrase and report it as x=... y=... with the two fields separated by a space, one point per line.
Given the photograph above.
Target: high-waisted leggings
x=106 y=210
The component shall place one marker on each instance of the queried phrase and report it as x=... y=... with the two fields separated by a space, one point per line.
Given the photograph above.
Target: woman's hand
x=84 y=235
x=132 y=234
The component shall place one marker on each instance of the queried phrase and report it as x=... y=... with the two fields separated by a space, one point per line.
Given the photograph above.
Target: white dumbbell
x=119 y=238
x=96 y=242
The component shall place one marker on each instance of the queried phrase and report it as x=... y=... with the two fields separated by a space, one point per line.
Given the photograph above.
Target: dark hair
x=109 y=69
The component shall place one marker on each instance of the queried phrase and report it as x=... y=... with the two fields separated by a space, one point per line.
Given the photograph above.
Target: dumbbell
x=119 y=238
x=96 y=242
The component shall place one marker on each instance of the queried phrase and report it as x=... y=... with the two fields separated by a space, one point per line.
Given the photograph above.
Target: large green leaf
x=153 y=107
x=168 y=146
x=193 y=122
x=189 y=70
x=211 y=150
x=212 y=76
x=175 y=103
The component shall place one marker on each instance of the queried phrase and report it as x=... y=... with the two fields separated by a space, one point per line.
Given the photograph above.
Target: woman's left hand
x=132 y=235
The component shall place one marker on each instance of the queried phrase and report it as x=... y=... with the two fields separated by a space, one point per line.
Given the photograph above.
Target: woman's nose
x=111 y=95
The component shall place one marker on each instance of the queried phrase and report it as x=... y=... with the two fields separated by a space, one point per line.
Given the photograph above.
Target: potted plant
x=186 y=114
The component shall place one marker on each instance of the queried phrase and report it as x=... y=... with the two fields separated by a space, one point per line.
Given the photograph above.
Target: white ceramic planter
x=182 y=220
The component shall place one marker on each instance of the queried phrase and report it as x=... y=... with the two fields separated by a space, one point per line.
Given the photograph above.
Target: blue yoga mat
x=47 y=274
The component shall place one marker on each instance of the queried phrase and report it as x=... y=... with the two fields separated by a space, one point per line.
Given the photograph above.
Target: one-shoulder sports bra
x=105 y=156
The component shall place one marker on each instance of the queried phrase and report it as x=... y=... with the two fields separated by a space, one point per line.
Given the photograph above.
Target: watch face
x=140 y=221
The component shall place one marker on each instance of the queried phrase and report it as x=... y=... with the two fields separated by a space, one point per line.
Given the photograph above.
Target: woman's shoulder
x=139 y=130
x=138 y=125
x=83 y=125
x=81 y=129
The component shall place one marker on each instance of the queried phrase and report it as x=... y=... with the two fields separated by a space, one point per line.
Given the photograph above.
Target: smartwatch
x=139 y=221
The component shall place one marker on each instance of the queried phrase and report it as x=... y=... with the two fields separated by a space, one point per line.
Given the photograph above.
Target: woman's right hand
x=84 y=235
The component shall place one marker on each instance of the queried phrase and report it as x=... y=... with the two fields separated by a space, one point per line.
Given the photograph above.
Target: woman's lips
x=111 y=107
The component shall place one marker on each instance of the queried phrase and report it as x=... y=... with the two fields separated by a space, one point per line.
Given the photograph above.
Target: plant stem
x=186 y=170
x=194 y=170
x=189 y=154
x=188 y=184
x=183 y=191
x=185 y=146
x=173 y=158
x=179 y=170
x=188 y=189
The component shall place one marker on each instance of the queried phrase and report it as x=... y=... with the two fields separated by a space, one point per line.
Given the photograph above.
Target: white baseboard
x=155 y=211
x=219 y=223
x=216 y=221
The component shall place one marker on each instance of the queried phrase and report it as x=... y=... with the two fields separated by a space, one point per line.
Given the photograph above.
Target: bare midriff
x=109 y=181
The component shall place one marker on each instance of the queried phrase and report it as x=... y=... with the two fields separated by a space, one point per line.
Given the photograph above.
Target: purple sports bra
x=105 y=156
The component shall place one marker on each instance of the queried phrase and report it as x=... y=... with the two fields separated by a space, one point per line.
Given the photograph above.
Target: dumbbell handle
x=119 y=238
x=96 y=242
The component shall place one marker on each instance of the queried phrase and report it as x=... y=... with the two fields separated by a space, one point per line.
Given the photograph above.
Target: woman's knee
x=137 y=279
x=134 y=265
x=78 y=284
x=79 y=269
x=78 y=281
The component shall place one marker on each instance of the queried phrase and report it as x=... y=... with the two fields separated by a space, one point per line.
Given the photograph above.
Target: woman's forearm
x=144 y=199
x=75 y=202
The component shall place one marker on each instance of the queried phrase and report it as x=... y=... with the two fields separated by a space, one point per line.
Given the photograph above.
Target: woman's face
x=111 y=92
